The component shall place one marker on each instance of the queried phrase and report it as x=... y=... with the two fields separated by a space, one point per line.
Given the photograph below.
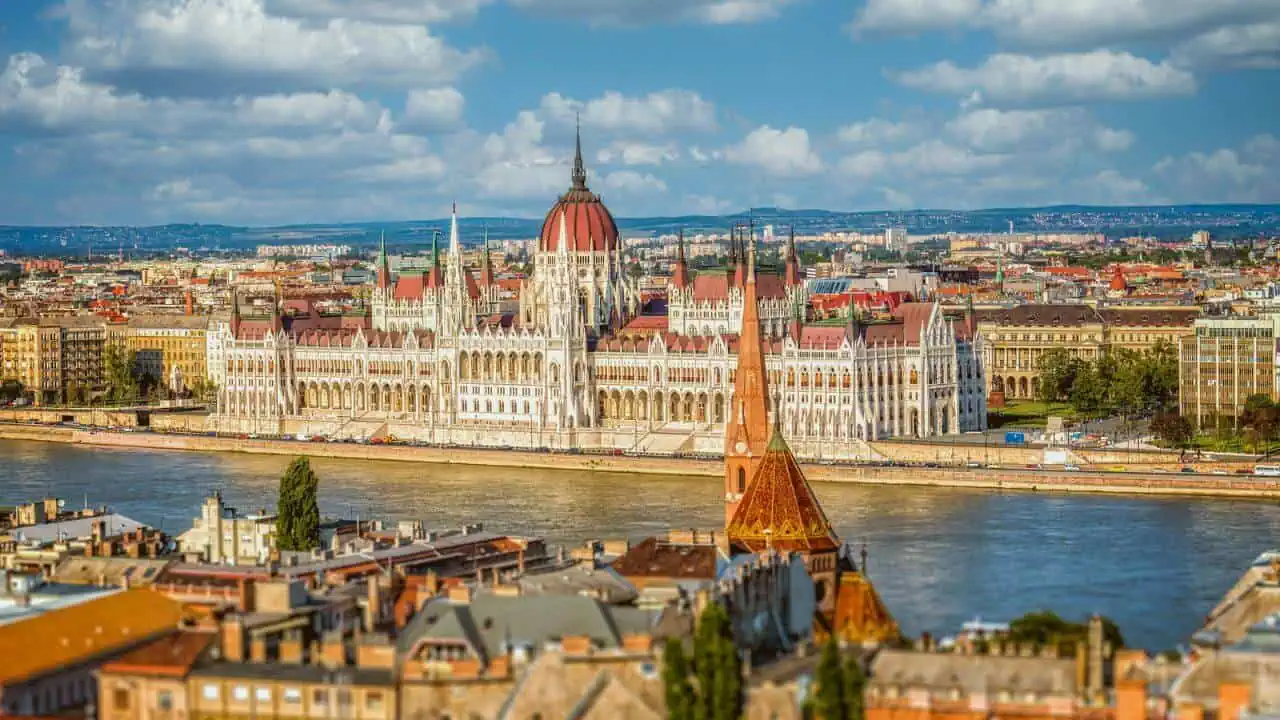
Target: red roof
x=589 y=225
x=715 y=286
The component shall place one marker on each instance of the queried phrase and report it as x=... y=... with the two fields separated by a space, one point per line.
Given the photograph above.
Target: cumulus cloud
x=638 y=153
x=779 y=152
x=1255 y=46
x=646 y=12
x=635 y=183
x=1067 y=78
x=1058 y=24
x=876 y=131
x=1068 y=129
x=382 y=11
x=227 y=46
x=433 y=109
x=661 y=112
x=1246 y=174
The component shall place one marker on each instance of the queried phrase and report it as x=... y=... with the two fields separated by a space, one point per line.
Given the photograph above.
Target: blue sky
x=280 y=111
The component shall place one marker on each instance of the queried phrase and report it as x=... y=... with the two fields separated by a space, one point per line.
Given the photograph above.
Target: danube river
x=938 y=556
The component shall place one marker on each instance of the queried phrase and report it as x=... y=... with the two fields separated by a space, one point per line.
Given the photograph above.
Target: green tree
x=1045 y=628
x=120 y=368
x=717 y=667
x=675 y=681
x=1173 y=429
x=855 y=688
x=830 y=701
x=1058 y=371
x=298 y=508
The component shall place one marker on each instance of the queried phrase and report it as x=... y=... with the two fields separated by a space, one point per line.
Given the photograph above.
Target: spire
x=384 y=266
x=235 y=314
x=680 y=274
x=733 y=247
x=486 y=268
x=454 y=247
x=779 y=508
x=793 y=260
x=747 y=435
x=579 y=174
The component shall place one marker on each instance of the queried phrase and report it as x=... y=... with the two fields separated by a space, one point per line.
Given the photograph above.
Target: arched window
x=742 y=480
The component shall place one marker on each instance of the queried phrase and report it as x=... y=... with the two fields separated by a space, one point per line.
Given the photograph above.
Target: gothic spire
x=579 y=174
x=384 y=266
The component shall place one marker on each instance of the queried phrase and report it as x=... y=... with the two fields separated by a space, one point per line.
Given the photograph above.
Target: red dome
x=589 y=226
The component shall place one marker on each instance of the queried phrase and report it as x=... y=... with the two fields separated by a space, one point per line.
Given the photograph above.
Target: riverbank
x=988 y=478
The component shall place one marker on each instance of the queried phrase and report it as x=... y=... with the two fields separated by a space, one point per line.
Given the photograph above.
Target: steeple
x=579 y=173
x=384 y=266
x=733 y=247
x=793 y=260
x=235 y=314
x=486 y=268
x=747 y=435
x=779 y=509
x=680 y=274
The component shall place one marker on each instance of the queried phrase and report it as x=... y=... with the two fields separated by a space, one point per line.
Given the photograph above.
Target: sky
x=269 y=112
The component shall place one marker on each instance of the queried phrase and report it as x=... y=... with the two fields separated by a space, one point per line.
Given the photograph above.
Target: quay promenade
x=999 y=477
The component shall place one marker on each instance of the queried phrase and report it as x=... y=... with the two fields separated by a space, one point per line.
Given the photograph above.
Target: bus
x=1267 y=470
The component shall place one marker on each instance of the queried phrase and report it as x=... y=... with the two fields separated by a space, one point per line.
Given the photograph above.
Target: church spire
x=680 y=274
x=792 y=260
x=579 y=174
x=486 y=267
x=747 y=435
x=384 y=266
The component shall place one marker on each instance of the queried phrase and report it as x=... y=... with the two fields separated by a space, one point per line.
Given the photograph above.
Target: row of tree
x=1123 y=380
x=1259 y=419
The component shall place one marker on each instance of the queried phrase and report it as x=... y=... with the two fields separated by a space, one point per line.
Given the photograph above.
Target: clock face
x=741 y=447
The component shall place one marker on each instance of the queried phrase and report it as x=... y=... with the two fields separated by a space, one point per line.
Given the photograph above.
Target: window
x=320 y=697
x=210 y=692
x=120 y=698
x=164 y=700
x=263 y=694
x=373 y=701
x=292 y=695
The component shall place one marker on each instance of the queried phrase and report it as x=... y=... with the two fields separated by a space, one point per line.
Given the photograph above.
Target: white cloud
x=1225 y=174
x=875 y=131
x=644 y=12
x=1110 y=187
x=707 y=205
x=231 y=44
x=1253 y=46
x=433 y=109
x=1076 y=77
x=912 y=16
x=638 y=153
x=384 y=11
x=865 y=164
x=702 y=157
x=778 y=152
x=1054 y=129
x=1112 y=140
x=634 y=183
x=516 y=165
x=658 y=113
x=1059 y=24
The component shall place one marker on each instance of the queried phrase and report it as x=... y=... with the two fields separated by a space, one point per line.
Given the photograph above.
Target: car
x=1220 y=472
x=1187 y=470
x=972 y=464
x=1071 y=468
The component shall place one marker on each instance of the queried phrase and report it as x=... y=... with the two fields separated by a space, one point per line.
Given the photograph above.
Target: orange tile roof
x=82 y=632
x=170 y=656
x=780 y=509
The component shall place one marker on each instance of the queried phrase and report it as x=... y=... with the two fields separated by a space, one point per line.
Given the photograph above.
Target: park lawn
x=1028 y=414
x=1226 y=444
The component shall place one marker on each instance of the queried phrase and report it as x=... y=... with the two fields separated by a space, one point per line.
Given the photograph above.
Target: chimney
x=1233 y=699
x=460 y=594
x=1131 y=699
x=373 y=604
x=233 y=638
x=258 y=650
x=290 y=652
x=1096 y=695
x=333 y=654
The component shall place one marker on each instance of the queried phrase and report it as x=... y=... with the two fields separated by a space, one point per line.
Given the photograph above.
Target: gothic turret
x=793 y=260
x=384 y=266
x=680 y=273
x=486 y=267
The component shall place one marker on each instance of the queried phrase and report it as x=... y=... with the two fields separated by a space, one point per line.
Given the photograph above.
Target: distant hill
x=1229 y=220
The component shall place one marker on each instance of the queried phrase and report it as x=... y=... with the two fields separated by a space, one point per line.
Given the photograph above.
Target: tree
x=1045 y=628
x=675 y=681
x=855 y=687
x=1173 y=429
x=298 y=508
x=717 y=667
x=1057 y=375
x=120 y=368
x=830 y=702
x=77 y=394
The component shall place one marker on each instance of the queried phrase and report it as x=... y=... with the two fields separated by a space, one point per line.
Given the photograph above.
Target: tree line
x=1121 y=381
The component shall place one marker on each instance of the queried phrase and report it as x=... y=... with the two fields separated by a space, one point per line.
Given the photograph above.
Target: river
x=938 y=556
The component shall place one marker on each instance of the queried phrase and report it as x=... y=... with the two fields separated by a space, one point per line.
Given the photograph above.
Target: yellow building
x=1224 y=362
x=32 y=354
x=169 y=348
x=1016 y=338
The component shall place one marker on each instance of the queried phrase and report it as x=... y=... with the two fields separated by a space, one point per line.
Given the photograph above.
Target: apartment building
x=169 y=348
x=1224 y=362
